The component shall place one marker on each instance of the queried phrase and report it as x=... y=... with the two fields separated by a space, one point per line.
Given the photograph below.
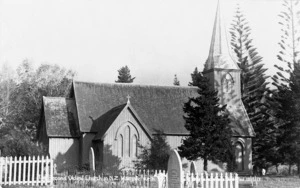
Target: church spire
x=219 y=54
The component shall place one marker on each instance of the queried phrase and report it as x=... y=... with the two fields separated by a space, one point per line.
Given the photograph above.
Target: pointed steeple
x=219 y=54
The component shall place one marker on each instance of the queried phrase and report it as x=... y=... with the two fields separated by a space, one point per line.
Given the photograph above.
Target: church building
x=115 y=118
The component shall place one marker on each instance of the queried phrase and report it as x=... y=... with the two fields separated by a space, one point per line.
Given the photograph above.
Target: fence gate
x=26 y=171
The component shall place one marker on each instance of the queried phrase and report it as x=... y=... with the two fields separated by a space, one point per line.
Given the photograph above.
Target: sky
x=156 y=39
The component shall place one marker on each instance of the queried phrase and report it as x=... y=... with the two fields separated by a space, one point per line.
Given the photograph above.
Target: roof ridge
x=138 y=85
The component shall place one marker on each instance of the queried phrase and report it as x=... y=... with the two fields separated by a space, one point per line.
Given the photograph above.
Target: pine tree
x=196 y=76
x=124 y=75
x=208 y=124
x=176 y=81
x=155 y=157
x=254 y=89
x=287 y=82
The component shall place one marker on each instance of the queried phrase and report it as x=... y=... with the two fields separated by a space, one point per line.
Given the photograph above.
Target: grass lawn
x=279 y=182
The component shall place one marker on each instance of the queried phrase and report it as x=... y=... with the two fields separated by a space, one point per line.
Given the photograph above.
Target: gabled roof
x=219 y=54
x=159 y=107
x=102 y=124
x=60 y=117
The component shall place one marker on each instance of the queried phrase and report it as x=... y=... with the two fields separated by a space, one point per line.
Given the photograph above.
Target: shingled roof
x=159 y=107
x=60 y=117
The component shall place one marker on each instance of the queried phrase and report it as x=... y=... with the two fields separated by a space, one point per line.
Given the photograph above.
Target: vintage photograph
x=150 y=94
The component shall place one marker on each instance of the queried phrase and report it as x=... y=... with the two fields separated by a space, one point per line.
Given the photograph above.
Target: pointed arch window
x=134 y=146
x=120 y=145
x=227 y=83
x=127 y=141
x=127 y=138
x=239 y=156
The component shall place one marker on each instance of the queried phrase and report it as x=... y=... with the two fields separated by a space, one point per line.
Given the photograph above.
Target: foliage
x=176 y=82
x=155 y=157
x=196 y=77
x=7 y=84
x=25 y=101
x=17 y=143
x=254 y=91
x=286 y=97
x=124 y=75
x=208 y=124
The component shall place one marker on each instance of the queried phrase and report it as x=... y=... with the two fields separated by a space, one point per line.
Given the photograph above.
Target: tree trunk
x=205 y=164
x=290 y=169
x=277 y=169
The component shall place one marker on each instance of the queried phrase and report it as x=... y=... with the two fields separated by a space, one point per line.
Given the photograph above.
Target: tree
x=14 y=142
x=208 y=125
x=31 y=86
x=124 y=75
x=196 y=77
x=7 y=84
x=254 y=91
x=157 y=156
x=287 y=82
x=18 y=134
x=176 y=81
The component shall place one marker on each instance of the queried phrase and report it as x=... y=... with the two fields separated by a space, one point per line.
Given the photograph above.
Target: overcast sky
x=155 y=38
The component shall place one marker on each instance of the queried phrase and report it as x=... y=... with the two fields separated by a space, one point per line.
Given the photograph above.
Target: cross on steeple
x=128 y=99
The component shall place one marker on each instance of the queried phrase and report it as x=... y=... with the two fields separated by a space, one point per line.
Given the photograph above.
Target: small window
x=227 y=83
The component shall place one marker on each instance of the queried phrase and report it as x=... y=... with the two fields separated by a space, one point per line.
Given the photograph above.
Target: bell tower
x=220 y=67
x=224 y=76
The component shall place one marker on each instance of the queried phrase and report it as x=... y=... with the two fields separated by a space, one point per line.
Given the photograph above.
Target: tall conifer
x=254 y=89
x=208 y=124
x=286 y=104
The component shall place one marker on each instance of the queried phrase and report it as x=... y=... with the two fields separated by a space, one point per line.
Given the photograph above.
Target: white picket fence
x=147 y=178
x=190 y=180
x=211 y=180
x=26 y=171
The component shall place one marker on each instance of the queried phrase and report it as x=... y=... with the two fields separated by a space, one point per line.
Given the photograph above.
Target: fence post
x=15 y=170
x=33 y=171
x=38 y=170
x=24 y=169
x=226 y=180
x=42 y=171
x=29 y=170
x=217 y=180
x=10 y=170
x=47 y=170
x=19 y=170
x=51 y=171
x=221 y=180
x=211 y=179
x=230 y=180
x=236 y=180
x=5 y=170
